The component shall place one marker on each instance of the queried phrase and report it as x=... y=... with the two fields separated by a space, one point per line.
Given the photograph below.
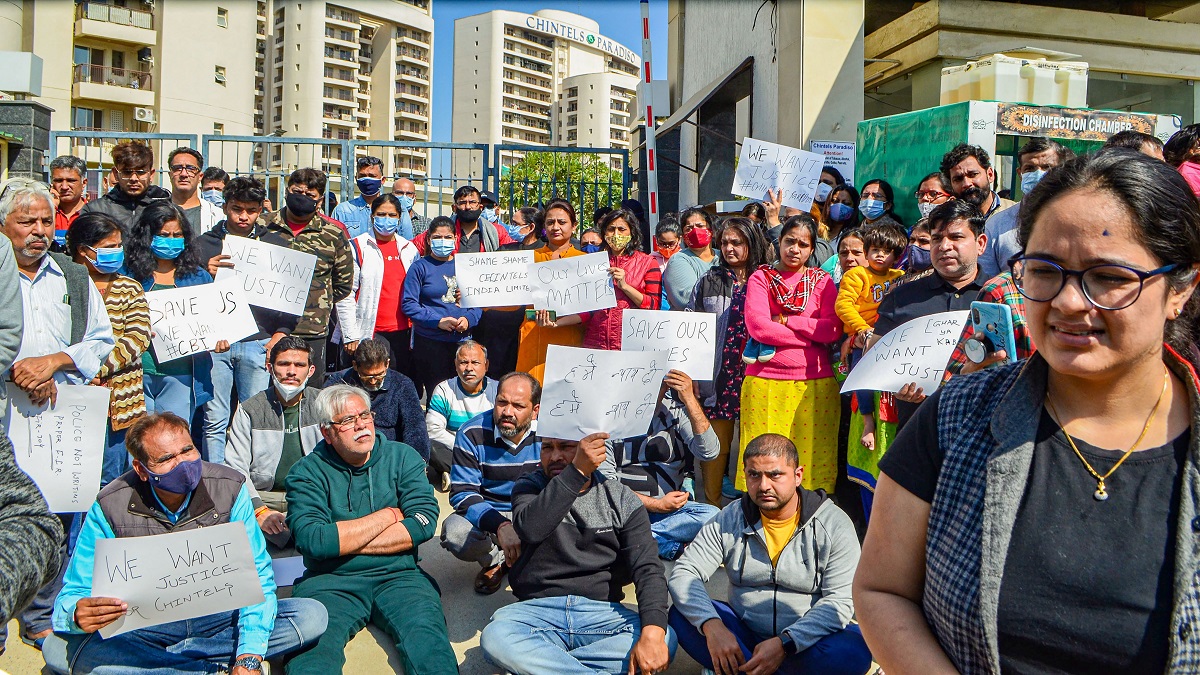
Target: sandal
x=490 y=579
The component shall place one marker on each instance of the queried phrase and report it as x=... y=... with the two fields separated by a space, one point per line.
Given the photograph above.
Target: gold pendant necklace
x=1101 y=493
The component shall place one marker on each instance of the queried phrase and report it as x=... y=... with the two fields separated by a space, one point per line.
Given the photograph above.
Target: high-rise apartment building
x=547 y=78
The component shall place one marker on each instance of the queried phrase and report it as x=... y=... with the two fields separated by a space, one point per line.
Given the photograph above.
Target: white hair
x=19 y=192
x=333 y=398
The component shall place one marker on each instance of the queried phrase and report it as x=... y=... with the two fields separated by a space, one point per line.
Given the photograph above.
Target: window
x=118 y=60
x=87 y=119
x=116 y=120
x=218 y=129
x=219 y=75
x=222 y=17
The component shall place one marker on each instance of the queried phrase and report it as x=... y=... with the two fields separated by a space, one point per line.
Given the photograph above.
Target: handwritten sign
x=593 y=390
x=61 y=447
x=767 y=166
x=499 y=279
x=689 y=338
x=192 y=319
x=838 y=154
x=916 y=351
x=176 y=576
x=272 y=276
x=573 y=285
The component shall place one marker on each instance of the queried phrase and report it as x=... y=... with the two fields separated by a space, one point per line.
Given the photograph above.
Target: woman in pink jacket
x=789 y=306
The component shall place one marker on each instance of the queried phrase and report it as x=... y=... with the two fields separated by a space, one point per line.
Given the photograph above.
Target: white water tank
x=1010 y=79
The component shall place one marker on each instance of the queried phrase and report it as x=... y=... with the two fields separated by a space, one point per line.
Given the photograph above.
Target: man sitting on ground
x=491 y=452
x=171 y=490
x=455 y=401
x=790 y=556
x=393 y=396
x=652 y=465
x=584 y=538
x=359 y=506
x=272 y=431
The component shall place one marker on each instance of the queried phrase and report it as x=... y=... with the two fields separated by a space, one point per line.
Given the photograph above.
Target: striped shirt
x=450 y=407
x=486 y=465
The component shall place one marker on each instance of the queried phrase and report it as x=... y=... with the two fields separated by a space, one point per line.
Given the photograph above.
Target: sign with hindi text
x=192 y=319
x=496 y=279
x=176 y=576
x=767 y=166
x=593 y=390
x=272 y=276
x=915 y=351
x=61 y=447
x=688 y=337
x=572 y=285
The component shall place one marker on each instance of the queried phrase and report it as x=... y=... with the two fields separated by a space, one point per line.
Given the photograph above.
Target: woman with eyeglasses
x=95 y=241
x=686 y=268
x=876 y=204
x=1043 y=516
x=932 y=191
x=161 y=254
x=559 y=223
x=667 y=237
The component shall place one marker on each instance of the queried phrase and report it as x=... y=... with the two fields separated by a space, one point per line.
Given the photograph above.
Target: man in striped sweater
x=491 y=452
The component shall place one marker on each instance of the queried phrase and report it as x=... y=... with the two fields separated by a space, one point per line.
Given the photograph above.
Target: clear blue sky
x=620 y=20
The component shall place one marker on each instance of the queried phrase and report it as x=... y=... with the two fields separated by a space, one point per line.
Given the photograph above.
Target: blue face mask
x=180 y=480
x=870 y=208
x=166 y=248
x=489 y=214
x=405 y=201
x=369 y=186
x=108 y=260
x=442 y=248
x=917 y=258
x=591 y=248
x=213 y=197
x=386 y=225
x=840 y=212
x=514 y=231
x=1030 y=180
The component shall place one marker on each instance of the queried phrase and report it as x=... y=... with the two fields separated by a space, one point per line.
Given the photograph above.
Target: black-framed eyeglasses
x=1108 y=286
x=351 y=421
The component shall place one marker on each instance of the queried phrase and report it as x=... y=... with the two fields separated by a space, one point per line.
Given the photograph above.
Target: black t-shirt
x=1087 y=584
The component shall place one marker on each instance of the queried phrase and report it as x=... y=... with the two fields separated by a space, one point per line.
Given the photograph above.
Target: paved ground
x=371 y=652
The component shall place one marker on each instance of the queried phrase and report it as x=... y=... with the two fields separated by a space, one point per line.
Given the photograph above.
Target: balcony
x=121 y=24
x=408 y=36
x=420 y=56
x=340 y=55
x=342 y=16
x=114 y=85
x=410 y=92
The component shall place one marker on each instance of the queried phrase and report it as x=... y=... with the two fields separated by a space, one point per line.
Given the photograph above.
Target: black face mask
x=469 y=215
x=300 y=204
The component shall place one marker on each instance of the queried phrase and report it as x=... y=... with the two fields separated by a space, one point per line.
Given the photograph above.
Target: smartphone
x=993 y=331
x=531 y=315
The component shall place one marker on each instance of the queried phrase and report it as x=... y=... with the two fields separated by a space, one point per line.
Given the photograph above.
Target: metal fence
x=272 y=159
x=437 y=169
x=528 y=175
x=95 y=148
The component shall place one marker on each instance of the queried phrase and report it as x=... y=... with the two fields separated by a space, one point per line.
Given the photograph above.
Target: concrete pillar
x=820 y=47
x=29 y=121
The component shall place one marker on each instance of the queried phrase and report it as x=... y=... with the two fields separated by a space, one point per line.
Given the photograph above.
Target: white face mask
x=286 y=391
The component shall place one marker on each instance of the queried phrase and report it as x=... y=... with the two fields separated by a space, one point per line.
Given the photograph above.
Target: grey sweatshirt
x=256 y=437
x=29 y=558
x=806 y=595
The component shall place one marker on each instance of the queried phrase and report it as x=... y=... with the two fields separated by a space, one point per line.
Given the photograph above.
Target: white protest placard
x=272 y=276
x=767 y=166
x=572 y=285
x=915 y=351
x=61 y=447
x=689 y=338
x=497 y=279
x=593 y=390
x=176 y=576
x=191 y=319
x=838 y=154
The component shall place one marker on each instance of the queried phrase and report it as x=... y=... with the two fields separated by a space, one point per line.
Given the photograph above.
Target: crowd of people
x=989 y=507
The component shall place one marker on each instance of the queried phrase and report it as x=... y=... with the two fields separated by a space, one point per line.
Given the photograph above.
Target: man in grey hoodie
x=790 y=556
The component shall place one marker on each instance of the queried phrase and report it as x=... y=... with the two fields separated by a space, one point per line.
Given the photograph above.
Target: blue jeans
x=841 y=653
x=566 y=636
x=203 y=645
x=170 y=393
x=116 y=456
x=673 y=530
x=244 y=365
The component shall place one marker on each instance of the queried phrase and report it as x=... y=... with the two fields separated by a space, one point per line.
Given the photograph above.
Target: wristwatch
x=249 y=663
x=789 y=645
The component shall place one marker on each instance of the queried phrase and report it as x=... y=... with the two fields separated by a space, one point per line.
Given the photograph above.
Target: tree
x=584 y=179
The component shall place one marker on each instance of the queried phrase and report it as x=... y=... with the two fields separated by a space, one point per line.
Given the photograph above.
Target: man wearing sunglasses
x=133 y=185
x=185 y=166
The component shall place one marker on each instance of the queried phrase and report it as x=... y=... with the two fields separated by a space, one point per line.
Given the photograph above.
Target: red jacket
x=502 y=237
x=604 y=326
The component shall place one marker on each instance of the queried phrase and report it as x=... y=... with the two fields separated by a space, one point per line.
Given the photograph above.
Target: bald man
x=406 y=191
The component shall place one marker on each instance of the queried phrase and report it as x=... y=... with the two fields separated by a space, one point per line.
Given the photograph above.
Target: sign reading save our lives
x=765 y=167
x=496 y=279
x=573 y=285
x=191 y=319
x=689 y=338
x=915 y=351
x=176 y=576
x=272 y=276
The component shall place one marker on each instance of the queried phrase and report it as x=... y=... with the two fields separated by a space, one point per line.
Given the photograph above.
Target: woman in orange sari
x=558 y=232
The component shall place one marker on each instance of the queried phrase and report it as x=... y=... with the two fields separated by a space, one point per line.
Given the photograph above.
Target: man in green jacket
x=358 y=507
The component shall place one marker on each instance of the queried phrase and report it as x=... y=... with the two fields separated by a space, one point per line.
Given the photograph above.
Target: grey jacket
x=31 y=534
x=12 y=320
x=256 y=437
x=806 y=595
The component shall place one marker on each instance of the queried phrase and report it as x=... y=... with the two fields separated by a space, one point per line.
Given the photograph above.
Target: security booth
x=902 y=149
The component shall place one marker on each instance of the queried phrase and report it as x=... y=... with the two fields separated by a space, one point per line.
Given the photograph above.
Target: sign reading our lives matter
x=191 y=319
x=61 y=447
x=572 y=285
x=915 y=351
x=497 y=279
x=767 y=166
x=593 y=390
x=273 y=276
x=688 y=337
x=176 y=576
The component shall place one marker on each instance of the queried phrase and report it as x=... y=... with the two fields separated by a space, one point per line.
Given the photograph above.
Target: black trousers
x=433 y=361
x=316 y=350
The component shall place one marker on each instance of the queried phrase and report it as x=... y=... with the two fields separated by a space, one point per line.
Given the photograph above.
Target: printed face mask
x=166 y=248
x=926 y=208
x=840 y=212
x=618 y=242
x=823 y=190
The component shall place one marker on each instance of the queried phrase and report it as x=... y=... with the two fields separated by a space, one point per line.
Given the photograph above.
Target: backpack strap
x=77 y=279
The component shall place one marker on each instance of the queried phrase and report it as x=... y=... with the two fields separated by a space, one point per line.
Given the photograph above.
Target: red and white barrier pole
x=651 y=167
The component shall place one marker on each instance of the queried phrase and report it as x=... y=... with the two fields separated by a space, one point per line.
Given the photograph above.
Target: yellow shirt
x=859 y=295
x=778 y=533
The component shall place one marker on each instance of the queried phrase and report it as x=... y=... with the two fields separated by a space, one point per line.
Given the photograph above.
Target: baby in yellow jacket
x=859 y=295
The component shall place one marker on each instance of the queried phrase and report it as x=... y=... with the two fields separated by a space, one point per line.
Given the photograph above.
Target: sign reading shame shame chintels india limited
x=577 y=34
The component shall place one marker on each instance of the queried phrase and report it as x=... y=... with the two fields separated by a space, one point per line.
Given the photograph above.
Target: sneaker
x=750 y=354
x=728 y=491
x=765 y=353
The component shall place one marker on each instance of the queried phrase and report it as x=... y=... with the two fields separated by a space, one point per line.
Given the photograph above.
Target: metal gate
x=95 y=148
x=437 y=170
x=272 y=159
x=529 y=175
